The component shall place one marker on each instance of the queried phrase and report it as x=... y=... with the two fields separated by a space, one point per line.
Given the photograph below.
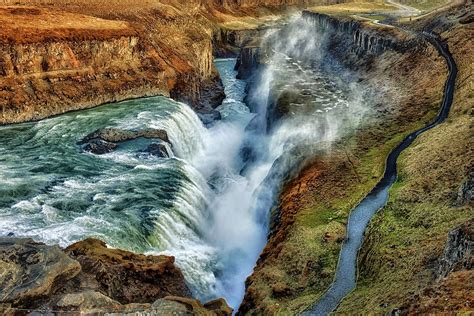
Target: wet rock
x=99 y=147
x=125 y=276
x=209 y=117
x=105 y=140
x=116 y=135
x=31 y=271
x=458 y=252
x=158 y=150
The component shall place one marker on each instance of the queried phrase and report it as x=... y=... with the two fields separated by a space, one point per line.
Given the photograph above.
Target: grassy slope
x=299 y=262
x=398 y=259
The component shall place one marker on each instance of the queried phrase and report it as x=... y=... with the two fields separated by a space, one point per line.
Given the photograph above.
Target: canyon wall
x=394 y=71
x=72 y=61
x=86 y=53
x=417 y=257
x=59 y=56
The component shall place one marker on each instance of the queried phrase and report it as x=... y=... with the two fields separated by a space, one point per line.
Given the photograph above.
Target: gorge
x=250 y=188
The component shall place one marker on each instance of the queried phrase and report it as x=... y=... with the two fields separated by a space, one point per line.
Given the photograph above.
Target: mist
x=247 y=184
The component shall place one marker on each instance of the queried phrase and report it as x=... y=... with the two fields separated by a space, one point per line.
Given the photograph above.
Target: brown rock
x=32 y=271
x=125 y=276
x=219 y=307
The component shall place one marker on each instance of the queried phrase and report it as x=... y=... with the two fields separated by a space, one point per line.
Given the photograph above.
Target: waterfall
x=208 y=203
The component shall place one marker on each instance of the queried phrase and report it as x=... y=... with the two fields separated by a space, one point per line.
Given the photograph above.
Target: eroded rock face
x=125 y=276
x=458 y=254
x=32 y=271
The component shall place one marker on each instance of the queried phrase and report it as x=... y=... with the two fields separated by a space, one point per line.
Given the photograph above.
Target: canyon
x=298 y=179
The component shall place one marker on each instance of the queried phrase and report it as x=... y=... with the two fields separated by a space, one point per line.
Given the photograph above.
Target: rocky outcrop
x=125 y=276
x=466 y=191
x=116 y=135
x=363 y=38
x=90 y=278
x=105 y=140
x=32 y=271
x=247 y=62
x=458 y=254
x=229 y=42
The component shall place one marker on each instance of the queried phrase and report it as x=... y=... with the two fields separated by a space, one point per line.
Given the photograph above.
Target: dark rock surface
x=32 y=271
x=106 y=140
x=116 y=135
x=99 y=147
x=158 y=150
x=458 y=254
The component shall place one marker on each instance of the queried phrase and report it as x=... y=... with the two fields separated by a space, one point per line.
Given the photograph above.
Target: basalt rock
x=247 y=62
x=99 y=147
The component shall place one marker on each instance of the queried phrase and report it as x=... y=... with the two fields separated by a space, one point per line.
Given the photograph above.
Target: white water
x=206 y=206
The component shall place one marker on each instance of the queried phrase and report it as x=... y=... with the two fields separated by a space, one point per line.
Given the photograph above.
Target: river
x=207 y=204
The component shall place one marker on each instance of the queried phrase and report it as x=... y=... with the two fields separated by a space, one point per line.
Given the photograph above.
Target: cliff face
x=395 y=71
x=59 y=56
x=60 y=65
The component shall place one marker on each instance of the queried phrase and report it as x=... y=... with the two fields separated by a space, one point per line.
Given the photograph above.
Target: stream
x=346 y=272
x=207 y=204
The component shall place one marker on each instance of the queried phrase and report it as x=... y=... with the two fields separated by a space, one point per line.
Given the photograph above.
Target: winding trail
x=345 y=278
x=405 y=10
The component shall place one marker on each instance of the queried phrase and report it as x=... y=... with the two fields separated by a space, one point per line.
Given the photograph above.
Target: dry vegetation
x=354 y=8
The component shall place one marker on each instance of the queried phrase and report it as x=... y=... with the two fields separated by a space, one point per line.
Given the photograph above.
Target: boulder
x=32 y=271
x=458 y=253
x=158 y=150
x=125 y=276
x=105 y=140
x=99 y=147
x=116 y=135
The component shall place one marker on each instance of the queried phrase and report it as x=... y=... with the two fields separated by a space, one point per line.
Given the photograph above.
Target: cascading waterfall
x=206 y=204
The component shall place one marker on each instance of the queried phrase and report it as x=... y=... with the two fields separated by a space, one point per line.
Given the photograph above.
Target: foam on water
x=206 y=205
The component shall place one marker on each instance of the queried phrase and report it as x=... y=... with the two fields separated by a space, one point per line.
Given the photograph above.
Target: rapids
x=207 y=205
